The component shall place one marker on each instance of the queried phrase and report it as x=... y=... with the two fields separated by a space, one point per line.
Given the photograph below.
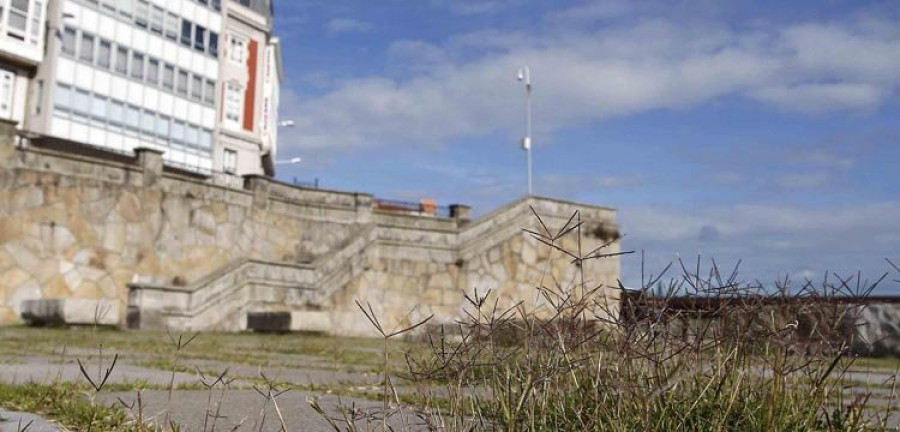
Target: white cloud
x=467 y=87
x=475 y=7
x=347 y=25
x=818 y=98
x=824 y=157
x=810 y=180
x=615 y=182
x=771 y=239
x=830 y=225
x=417 y=56
x=594 y=11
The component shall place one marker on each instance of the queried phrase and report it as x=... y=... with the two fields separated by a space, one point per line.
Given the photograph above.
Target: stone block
x=71 y=312
x=876 y=329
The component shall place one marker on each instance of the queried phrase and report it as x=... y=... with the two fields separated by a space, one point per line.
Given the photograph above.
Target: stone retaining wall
x=178 y=251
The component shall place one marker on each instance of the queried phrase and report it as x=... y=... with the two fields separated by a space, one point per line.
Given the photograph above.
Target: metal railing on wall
x=306 y=184
x=425 y=207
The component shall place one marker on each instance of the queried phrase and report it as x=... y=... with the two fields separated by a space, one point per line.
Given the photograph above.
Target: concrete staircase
x=221 y=300
x=284 y=296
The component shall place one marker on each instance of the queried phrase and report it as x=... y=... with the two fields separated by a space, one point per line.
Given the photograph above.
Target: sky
x=760 y=132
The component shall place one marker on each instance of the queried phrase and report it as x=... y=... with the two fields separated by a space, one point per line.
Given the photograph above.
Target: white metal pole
x=528 y=137
x=525 y=75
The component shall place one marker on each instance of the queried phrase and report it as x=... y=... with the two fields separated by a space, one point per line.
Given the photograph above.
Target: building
x=22 y=33
x=125 y=74
x=250 y=74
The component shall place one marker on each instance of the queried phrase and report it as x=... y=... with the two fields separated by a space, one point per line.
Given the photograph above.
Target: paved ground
x=311 y=367
x=241 y=410
x=339 y=372
x=11 y=421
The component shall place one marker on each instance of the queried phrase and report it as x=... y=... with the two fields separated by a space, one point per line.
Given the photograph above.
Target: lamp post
x=525 y=76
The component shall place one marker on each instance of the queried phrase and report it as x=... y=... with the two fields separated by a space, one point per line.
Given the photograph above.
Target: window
x=157 y=15
x=148 y=122
x=234 y=105
x=200 y=39
x=137 y=65
x=68 y=44
x=86 y=51
x=162 y=127
x=132 y=117
x=18 y=18
x=62 y=99
x=122 y=60
x=126 y=8
x=209 y=92
x=192 y=135
x=141 y=13
x=108 y=5
x=214 y=44
x=206 y=138
x=81 y=102
x=153 y=71
x=172 y=26
x=36 y=22
x=196 y=87
x=7 y=78
x=186 y=27
x=98 y=108
x=178 y=131
x=216 y=4
x=182 y=83
x=169 y=77
x=229 y=161
x=116 y=113
x=104 y=52
x=236 y=49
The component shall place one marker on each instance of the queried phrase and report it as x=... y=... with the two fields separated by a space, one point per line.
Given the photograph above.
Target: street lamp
x=286 y=123
x=525 y=76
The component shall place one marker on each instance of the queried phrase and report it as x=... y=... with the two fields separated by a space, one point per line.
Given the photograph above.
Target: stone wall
x=181 y=252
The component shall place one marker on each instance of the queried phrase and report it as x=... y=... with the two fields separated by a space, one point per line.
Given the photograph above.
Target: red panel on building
x=250 y=96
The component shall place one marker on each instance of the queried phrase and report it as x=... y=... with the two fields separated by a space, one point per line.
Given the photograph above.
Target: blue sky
x=765 y=131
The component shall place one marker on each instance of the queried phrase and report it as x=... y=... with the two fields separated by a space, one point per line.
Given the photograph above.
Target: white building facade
x=250 y=73
x=125 y=74
x=22 y=35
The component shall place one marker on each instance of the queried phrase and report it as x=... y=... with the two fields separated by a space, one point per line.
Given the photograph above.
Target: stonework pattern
x=175 y=251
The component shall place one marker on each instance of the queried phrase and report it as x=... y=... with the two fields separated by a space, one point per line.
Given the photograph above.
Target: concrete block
x=311 y=321
x=71 y=312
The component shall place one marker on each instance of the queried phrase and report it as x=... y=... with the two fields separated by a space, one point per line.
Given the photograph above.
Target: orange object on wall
x=429 y=206
x=250 y=96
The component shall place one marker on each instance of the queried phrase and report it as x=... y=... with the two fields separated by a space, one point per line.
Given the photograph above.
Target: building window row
x=163 y=23
x=234 y=105
x=22 y=19
x=104 y=54
x=98 y=110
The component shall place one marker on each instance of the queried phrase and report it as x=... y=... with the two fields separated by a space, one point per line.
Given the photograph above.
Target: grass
x=67 y=404
x=153 y=350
